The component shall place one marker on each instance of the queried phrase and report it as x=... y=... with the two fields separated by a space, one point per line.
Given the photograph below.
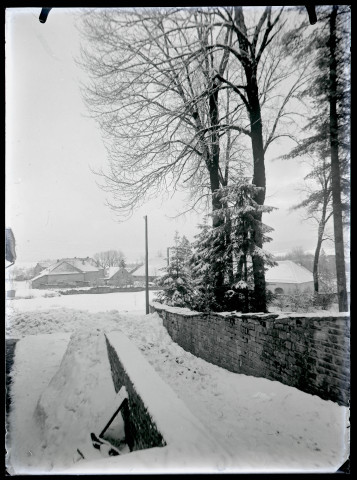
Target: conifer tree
x=175 y=279
x=237 y=290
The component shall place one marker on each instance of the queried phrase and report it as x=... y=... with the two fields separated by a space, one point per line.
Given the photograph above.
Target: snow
x=24 y=291
x=169 y=308
x=287 y=271
x=62 y=386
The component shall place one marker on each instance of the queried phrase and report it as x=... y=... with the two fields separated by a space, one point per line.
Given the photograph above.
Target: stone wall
x=308 y=351
x=140 y=430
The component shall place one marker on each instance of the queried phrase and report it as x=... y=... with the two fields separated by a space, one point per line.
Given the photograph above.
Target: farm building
x=155 y=265
x=289 y=277
x=69 y=273
x=118 y=277
x=41 y=266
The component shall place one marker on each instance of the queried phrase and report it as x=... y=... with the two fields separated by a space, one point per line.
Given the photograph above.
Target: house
x=154 y=270
x=40 y=266
x=71 y=272
x=288 y=277
x=118 y=277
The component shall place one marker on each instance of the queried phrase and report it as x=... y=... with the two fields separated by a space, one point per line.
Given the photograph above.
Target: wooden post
x=146 y=266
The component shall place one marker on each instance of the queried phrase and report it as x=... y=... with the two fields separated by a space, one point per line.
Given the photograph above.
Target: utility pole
x=146 y=266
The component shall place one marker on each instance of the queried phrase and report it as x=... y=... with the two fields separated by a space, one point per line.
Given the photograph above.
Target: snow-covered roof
x=288 y=271
x=43 y=273
x=85 y=265
x=79 y=264
x=111 y=271
x=155 y=265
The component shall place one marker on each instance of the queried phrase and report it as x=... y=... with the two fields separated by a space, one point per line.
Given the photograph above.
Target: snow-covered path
x=263 y=425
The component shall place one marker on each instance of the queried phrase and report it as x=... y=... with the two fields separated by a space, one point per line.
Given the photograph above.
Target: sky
x=53 y=203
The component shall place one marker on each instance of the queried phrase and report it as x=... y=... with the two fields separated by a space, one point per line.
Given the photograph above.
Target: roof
x=154 y=264
x=288 y=271
x=81 y=265
x=85 y=265
x=111 y=271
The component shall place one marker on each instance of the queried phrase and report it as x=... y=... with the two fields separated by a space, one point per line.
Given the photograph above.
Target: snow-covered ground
x=61 y=382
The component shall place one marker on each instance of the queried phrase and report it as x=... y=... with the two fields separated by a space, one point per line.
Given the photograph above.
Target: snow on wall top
x=277 y=315
x=288 y=271
x=174 y=421
x=180 y=310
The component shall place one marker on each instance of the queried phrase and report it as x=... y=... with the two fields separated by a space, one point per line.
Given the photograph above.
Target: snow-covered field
x=262 y=425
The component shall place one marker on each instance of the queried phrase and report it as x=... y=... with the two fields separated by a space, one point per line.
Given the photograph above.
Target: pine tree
x=236 y=246
x=175 y=279
x=207 y=265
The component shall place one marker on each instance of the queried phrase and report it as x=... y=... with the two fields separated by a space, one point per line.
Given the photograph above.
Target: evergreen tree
x=239 y=249
x=175 y=279
x=206 y=264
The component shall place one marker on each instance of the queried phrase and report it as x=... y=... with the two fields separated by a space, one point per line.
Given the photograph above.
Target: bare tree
x=153 y=96
x=110 y=258
x=318 y=207
x=157 y=83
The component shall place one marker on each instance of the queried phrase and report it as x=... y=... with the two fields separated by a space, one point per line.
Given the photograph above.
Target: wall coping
x=182 y=311
x=186 y=312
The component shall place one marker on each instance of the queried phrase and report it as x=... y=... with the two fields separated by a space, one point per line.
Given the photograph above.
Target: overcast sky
x=53 y=204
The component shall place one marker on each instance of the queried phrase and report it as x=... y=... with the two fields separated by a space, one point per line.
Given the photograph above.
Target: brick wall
x=310 y=352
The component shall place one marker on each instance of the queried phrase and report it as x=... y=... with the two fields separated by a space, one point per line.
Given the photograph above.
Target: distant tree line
x=110 y=258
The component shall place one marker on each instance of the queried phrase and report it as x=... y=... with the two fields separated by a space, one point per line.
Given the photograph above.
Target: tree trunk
x=246 y=293
x=320 y=234
x=228 y=244
x=256 y=130
x=259 y=181
x=335 y=171
x=217 y=217
x=217 y=220
x=316 y=259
